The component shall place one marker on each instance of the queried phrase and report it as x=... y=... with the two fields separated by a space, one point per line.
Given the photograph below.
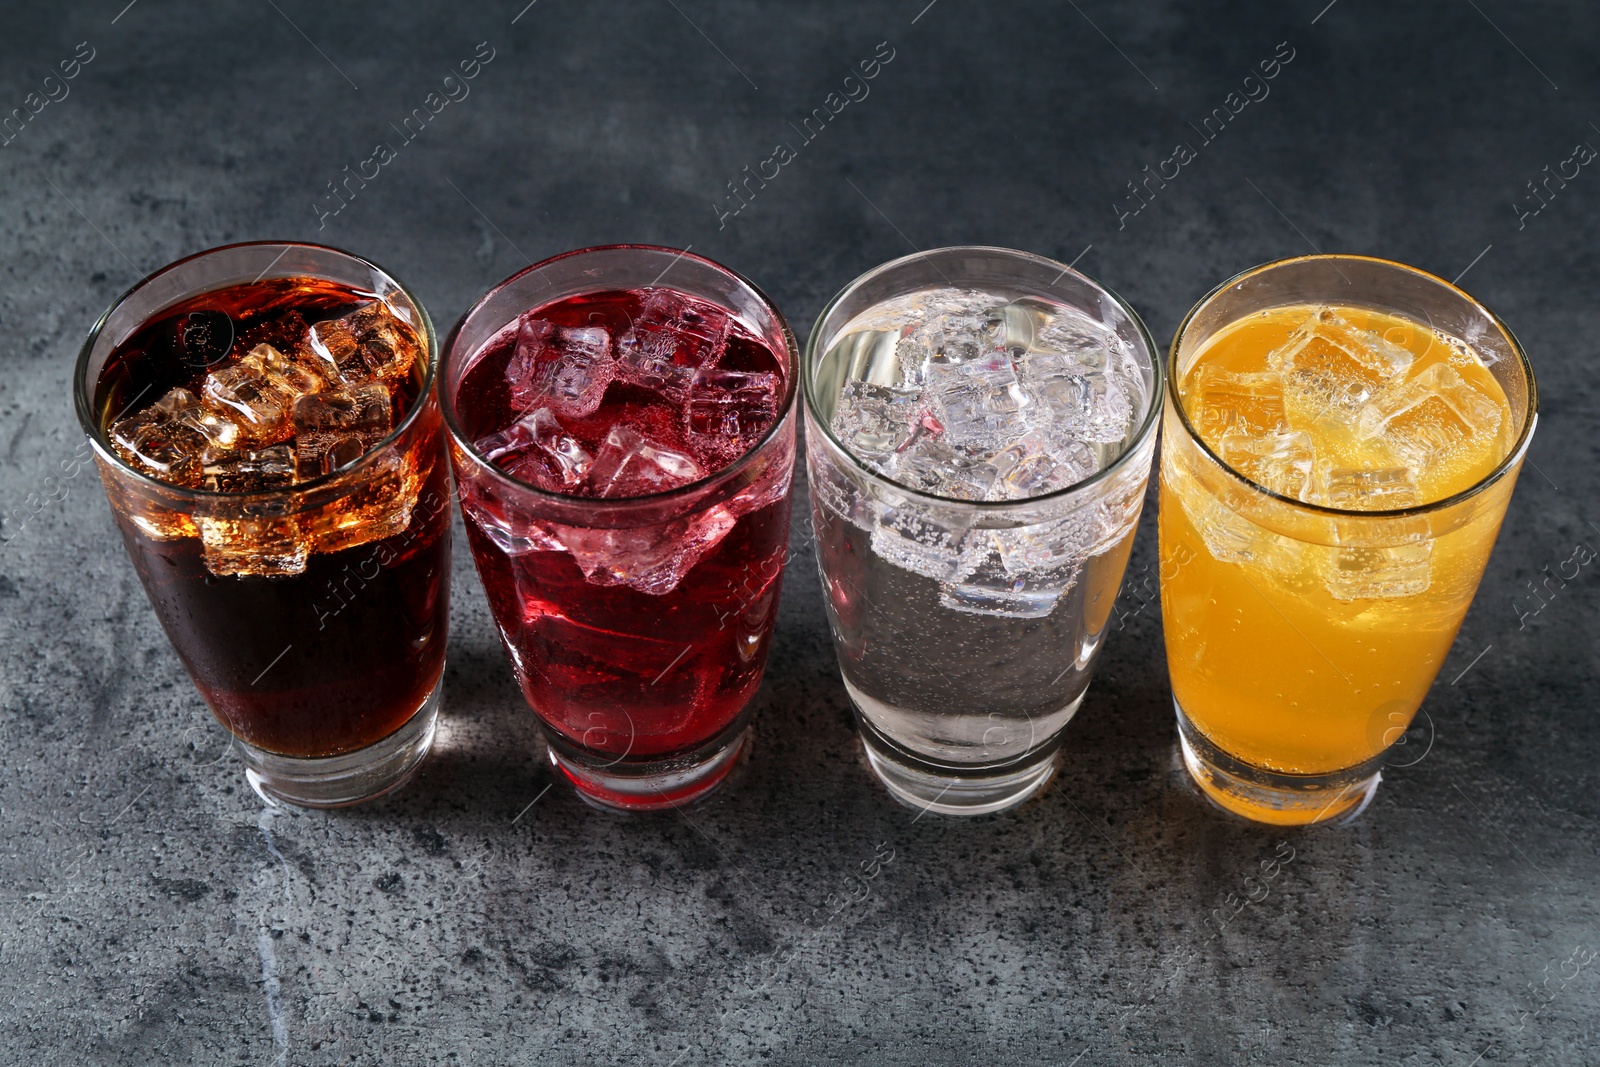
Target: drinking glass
x=1308 y=608
x=968 y=585
x=637 y=627
x=312 y=618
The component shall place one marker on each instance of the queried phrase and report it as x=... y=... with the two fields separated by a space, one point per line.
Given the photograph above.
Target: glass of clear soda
x=980 y=427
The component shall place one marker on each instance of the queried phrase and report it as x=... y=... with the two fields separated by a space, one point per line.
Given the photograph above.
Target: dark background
x=151 y=911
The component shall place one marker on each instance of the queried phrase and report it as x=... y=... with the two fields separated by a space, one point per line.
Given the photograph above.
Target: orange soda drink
x=1334 y=472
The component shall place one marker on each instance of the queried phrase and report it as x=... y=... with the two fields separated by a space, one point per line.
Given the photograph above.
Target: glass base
x=1271 y=797
x=642 y=784
x=339 y=781
x=948 y=789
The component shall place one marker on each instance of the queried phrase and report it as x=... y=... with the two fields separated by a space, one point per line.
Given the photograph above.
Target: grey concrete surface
x=152 y=912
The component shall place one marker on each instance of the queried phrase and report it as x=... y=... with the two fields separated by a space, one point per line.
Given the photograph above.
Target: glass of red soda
x=263 y=421
x=623 y=434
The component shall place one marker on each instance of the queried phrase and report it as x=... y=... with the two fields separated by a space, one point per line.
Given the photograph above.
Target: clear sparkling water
x=967 y=636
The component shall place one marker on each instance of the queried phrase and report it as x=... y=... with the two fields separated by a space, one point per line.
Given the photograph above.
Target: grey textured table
x=151 y=911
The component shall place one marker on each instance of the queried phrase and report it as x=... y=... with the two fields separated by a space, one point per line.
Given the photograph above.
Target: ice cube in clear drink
x=979 y=403
x=1073 y=399
x=335 y=428
x=874 y=421
x=536 y=449
x=961 y=331
x=1034 y=465
x=910 y=538
x=931 y=465
x=1084 y=343
x=627 y=464
x=996 y=589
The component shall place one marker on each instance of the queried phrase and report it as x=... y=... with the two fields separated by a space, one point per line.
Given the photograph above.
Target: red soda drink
x=624 y=461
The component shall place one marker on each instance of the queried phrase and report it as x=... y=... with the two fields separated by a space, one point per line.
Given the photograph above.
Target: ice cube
x=1228 y=535
x=375 y=506
x=1084 y=342
x=649 y=362
x=651 y=559
x=1358 y=572
x=247 y=540
x=1054 y=547
x=536 y=449
x=728 y=409
x=247 y=470
x=996 y=589
x=335 y=428
x=564 y=368
x=518 y=535
x=964 y=334
x=629 y=465
x=673 y=328
x=1073 y=399
x=911 y=361
x=979 y=403
x=1380 y=558
x=258 y=390
x=1329 y=366
x=1232 y=538
x=910 y=538
x=1034 y=465
x=388 y=345
x=166 y=440
x=1220 y=402
x=931 y=465
x=1431 y=418
x=1388 y=489
x=874 y=421
x=1280 y=462
x=371 y=342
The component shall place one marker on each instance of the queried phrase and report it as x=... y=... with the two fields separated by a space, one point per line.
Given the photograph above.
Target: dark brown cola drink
x=273 y=460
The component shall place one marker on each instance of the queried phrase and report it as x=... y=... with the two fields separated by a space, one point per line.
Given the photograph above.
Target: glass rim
x=1146 y=426
x=1513 y=455
x=86 y=418
x=447 y=404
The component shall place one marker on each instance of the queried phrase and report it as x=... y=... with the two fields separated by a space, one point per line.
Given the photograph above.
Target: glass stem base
x=632 y=783
x=339 y=781
x=954 y=789
x=1272 y=797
